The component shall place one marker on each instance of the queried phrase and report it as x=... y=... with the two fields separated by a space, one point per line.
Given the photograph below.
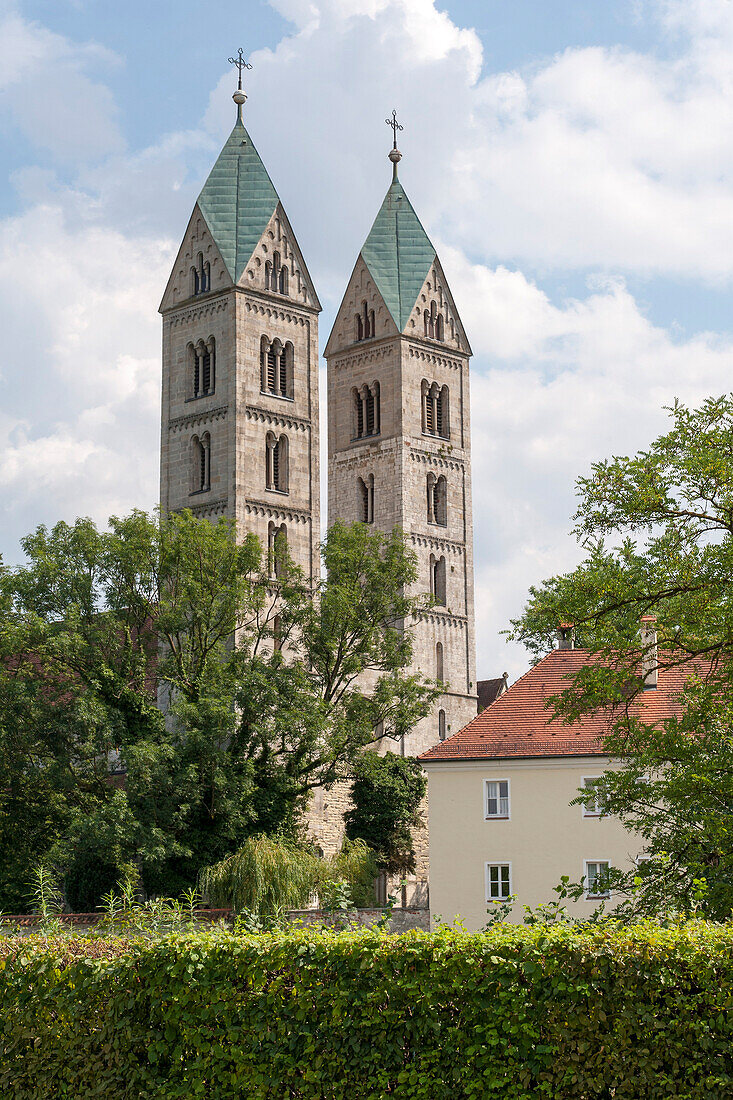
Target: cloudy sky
x=572 y=161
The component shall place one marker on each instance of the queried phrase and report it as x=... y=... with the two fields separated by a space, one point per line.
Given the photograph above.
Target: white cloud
x=71 y=115
x=596 y=160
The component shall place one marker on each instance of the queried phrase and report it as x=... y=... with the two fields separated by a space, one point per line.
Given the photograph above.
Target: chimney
x=649 y=651
x=566 y=636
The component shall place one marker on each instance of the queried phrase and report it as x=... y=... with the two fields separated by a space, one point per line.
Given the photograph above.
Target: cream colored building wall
x=544 y=838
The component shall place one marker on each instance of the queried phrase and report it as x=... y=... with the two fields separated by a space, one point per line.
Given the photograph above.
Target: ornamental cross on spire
x=241 y=64
x=395 y=126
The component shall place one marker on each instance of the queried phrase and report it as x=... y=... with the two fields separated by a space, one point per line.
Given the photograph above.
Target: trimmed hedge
x=520 y=1013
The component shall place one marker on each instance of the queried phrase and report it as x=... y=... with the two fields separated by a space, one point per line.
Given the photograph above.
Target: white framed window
x=496 y=798
x=596 y=874
x=498 y=881
x=596 y=806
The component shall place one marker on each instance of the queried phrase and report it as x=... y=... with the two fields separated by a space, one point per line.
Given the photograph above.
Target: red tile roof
x=519 y=724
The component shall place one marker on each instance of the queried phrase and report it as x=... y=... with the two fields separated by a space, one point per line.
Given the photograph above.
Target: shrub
x=271 y=874
x=518 y=1013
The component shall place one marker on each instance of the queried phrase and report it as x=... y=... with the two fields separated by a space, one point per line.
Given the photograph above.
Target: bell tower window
x=437 y=579
x=202 y=360
x=276 y=367
x=365 y=491
x=366 y=411
x=435 y=409
x=201 y=463
x=276 y=462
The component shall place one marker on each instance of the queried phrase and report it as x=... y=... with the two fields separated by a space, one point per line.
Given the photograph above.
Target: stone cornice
x=210 y=508
x=432 y=356
x=437 y=542
x=431 y=458
x=442 y=615
x=371 y=354
x=195 y=312
x=266 y=508
x=200 y=417
x=288 y=311
x=284 y=420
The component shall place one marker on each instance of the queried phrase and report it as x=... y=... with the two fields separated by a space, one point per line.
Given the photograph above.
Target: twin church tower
x=240 y=411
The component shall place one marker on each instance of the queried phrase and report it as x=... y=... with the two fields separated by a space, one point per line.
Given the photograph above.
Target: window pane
x=497 y=799
x=498 y=881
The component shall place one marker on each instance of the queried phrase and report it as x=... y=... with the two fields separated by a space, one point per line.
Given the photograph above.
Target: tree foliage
x=270 y=874
x=268 y=687
x=657 y=531
x=386 y=793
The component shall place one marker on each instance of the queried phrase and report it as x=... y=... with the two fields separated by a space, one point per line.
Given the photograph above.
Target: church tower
x=239 y=433
x=399 y=439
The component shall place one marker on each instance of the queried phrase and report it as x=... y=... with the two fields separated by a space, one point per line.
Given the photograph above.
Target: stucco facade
x=542 y=838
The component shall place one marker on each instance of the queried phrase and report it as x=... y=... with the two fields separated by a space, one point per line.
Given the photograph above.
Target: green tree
x=386 y=793
x=657 y=530
x=262 y=680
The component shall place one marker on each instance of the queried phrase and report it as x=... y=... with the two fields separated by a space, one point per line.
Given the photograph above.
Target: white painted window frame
x=498 y=817
x=586 y=876
x=586 y=811
x=497 y=863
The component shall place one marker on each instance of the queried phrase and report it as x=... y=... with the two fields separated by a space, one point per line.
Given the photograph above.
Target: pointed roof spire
x=238 y=199
x=398 y=251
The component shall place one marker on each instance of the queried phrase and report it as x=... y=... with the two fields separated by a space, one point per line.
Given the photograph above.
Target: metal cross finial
x=241 y=64
x=395 y=126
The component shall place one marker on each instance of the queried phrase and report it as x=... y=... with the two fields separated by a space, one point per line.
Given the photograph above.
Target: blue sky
x=572 y=161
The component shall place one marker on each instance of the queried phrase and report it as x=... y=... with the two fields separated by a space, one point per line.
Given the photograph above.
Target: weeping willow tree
x=268 y=874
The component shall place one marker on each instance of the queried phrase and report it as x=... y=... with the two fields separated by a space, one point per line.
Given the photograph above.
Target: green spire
x=238 y=200
x=398 y=253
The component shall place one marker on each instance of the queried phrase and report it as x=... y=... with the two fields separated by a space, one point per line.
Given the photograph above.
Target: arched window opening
x=442 y=419
x=201 y=463
x=435 y=409
x=269 y=461
x=268 y=275
x=372 y=323
x=201 y=275
x=207 y=366
x=282 y=473
x=276 y=462
x=287 y=356
x=441 y=725
x=369 y=397
x=365 y=493
x=440 y=501
x=278 y=542
x=193 y=359
x=431 y=321
x=264 y=349
x=366 y=419
x=438 y=660
x=272 y=358
x=439 y=331
x=283 y=280
x=437 y=580
x=431 y=479
x=277 y=633
x=359 y=327
x=426 y=321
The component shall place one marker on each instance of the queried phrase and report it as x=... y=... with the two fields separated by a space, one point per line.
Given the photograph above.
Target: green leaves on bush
x=518 y=1013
